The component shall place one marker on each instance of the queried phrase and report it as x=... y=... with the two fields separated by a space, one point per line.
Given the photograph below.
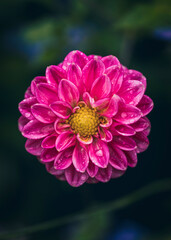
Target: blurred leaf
x=92 y=229
x=146 y=17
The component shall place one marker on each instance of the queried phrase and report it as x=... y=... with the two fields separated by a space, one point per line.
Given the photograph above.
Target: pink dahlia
x=85 y=119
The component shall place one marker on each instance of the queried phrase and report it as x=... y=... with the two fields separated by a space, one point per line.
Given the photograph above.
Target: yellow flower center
x=84 y=121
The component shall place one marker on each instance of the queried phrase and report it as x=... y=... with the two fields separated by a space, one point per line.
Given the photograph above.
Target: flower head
x=86 y=118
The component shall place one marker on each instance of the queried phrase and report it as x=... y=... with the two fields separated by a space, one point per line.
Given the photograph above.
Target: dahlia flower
x=85 y=119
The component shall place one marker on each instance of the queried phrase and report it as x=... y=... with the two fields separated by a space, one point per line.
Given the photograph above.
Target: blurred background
x=38 y=33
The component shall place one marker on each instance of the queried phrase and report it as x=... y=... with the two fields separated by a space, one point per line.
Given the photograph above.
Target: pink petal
x=68 y=92
x=141 y=141
x=25 y=107
x=101 y=87
x=85 y=140
x=48 y=155
x=99 y=153
x=50 y=168
x=106 y=122
x=54 y=74
x=145 y=105
x=104 y=175
x=37 y=80
x=22 y=121
x=49 y=141
x=61 y=126
x=34 y=146
x=117 y=158
x=92 y=169
x=92 y=56
x=141 y=124
x=131 y=91
x=101 y=105
x=80 y=158
x=75 y=178
x=117 y=173
x=127 y=114
x=135 y=75
x=92 y=70
x=124 y=143
x=43 y=113
x=74 y=75
x=105 y=135
x=63 y=159
x=36 y=130
x=115 y=74
x=112 y=107
x=131 y=158
x=65 y=140
x=77 y=57
x=124 y=130
x=46 y=93
x=88 y=99
x=28 y=93
x=61 y=109
x=110 y=61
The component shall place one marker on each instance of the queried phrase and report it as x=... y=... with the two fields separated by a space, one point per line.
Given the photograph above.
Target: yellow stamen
x=84 y=121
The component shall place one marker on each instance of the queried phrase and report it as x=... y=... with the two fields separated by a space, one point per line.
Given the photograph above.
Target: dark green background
x=35 y=34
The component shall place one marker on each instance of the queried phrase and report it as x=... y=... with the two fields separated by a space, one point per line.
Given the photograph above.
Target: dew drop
x=123 y=115
x=99 y=153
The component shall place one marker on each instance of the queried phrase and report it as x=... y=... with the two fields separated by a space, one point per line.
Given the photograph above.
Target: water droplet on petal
x=99 y=153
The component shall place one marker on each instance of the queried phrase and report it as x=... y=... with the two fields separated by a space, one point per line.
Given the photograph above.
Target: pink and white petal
x=105 y=135
x=104 y=174
x=61 y=126
x=65 y=140
x=127 y=114
x=35 y=81
x=36 y=130
x=124 y=130
x=61 y=109
x=92 y=169
x=99 y=153
x=117 y=158
x=46 y=93
x=141 y=141
x=28 y=93
x=49 y=141
x=92 y=70
x=131 y=158
x=77 y=57
x=50 y=169
x=101 y=87
x=63 y=159
x=48 y=155
x=147 y=130
x=117 y=173
x=141 y=124
x=34 y=146
x=131 y=91
x=88 y=99
x=92 y=56
x=105 y=122
x=43 y=113
x=110 y=61
x=80 y=158
x=115 y=74
x=112 y=108
x=124 y=143
x=22 y=121
x=101 y=105
x=145 y=105
x=25 y=107
x=54 y=74
x=85 y=140
x=75 y=178
x=68 y=92
x=74 y=75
